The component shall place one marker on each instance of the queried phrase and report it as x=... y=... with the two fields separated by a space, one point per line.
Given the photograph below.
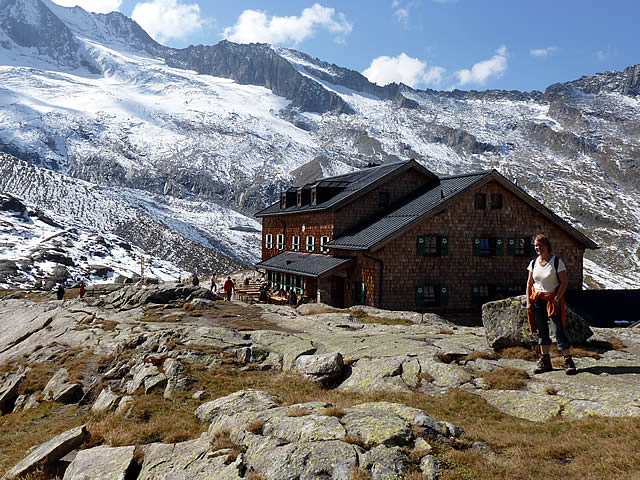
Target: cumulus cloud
x=402 y=15
x=168 y=19
x=97 y=6
x=482 y=71
x=405 y=69
x=542 y=52
x=255 y=26
x=600 y=55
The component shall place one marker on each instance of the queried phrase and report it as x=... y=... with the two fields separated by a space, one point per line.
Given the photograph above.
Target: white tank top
x=545 y=278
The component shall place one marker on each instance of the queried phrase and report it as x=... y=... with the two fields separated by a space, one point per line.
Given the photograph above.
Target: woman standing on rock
x=547 y=283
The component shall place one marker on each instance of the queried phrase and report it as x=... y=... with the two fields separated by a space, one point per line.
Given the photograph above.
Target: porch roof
x=306 y=264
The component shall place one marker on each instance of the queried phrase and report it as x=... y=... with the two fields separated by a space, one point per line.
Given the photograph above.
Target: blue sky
x=442 y=44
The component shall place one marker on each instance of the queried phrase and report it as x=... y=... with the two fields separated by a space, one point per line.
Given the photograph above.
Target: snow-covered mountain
x=197 y=139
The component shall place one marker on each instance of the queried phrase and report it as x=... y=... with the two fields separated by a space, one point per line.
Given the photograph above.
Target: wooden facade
x=472 y=247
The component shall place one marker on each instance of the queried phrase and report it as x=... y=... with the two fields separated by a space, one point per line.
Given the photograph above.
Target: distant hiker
x=546 y=285
x=264 y=294
x=60 y=292
x=246 y=281
x=214 y=287
x=82 y=290
x=293 y=298
x=195 y=281
x=228 y=288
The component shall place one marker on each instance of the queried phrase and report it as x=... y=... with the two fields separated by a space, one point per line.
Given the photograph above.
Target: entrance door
x=337 y=292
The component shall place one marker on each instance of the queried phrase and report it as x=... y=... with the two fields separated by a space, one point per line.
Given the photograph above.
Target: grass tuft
x=335 y=412
x=297 y=412
x=505 y=379
x=360 y=474
x=255 y=426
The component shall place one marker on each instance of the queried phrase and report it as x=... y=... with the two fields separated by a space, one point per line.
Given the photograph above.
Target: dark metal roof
x=353 y=184
x=400 y=218
x=307 y=264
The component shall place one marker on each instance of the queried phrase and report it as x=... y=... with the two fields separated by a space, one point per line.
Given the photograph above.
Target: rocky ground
x=180 y=344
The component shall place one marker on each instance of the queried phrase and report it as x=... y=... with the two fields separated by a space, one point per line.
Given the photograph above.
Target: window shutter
x=444 y=245
x=499 y=246
x=421 y=245
x=444 y=295
x=420 y=295
x=512 y=247
x=476 y=246
x=475 y=294
x=532 y=248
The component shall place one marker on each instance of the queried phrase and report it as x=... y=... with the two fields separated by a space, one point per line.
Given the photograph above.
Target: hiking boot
x=569 y=366
x=544 y=364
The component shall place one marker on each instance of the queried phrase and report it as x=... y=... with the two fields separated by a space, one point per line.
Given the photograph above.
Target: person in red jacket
x=228 y=288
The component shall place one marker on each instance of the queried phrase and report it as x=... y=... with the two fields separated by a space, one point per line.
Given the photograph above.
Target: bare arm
x=529 y=289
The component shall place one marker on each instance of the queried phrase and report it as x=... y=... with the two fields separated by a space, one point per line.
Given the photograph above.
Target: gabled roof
x=352 y=185
x=307 y=264
x=448 y=191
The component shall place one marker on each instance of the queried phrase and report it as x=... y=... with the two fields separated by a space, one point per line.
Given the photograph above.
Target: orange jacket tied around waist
x=552 y=309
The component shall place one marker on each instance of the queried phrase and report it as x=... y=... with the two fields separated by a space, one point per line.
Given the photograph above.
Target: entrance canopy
x=306 y=264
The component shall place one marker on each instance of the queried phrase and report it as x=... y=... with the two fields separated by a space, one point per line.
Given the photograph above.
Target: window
x=383 y=199
x=488 y=246
x=432 y=245
x=314 y=196
x=358 y=293
x=480 y=200
x=280 y=241
x=520 y=247
x=482 y=293
x=295 y=243
x=268 y=240
x=311 y=243
x=496 y=201
x=299 y=197
x=323 y=242
x=432 y=295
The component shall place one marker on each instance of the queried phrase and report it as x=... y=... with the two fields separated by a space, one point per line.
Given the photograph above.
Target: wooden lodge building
x=396 y=236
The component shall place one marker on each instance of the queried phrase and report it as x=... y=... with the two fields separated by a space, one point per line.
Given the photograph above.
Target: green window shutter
x=420 y=295
x=512 y=247
x=444 y=245
x=499 y=247
x=444 y=295
x=475 y=293
x=421 y=245
x=532 y=248
x=476 y=246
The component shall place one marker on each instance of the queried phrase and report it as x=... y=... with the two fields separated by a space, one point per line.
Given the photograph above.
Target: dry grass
x=255 y=426
x=360 y=474
x=222 y=441
x=364 y=317
x=522 y=353
x=354 y=440
x=550 y=390
x=297 y=412
x=416 y=476
x=335 y=412
x=445 y=331
x=425 y=377
x=505 y=379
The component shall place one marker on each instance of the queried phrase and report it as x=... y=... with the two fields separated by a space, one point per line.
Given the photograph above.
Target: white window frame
x=311 y=245
x=268 y=240
x=323 y=242
x=295 y=243
x=280 y=241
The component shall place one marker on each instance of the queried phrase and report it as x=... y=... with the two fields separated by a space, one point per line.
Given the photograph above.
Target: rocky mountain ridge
x=256 y=119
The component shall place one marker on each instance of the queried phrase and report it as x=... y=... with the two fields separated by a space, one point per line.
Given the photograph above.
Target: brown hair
x=542 y=238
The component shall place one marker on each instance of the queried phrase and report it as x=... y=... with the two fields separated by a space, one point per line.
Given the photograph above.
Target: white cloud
x=168 y=19
x=542 y=52
x=402 y=15
x=97 y=6
x=405 y=69
x=255 y=26
x=600 y=55
x=482 y=71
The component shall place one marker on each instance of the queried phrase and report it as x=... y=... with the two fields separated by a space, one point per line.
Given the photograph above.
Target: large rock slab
x=287 y=345
x=187 y=461
x=9 y=391
x=239 y=402
x=386 y=463
x=376 y=374
x=506 y=324
x=105 y=401
x=100 y=463
x=531 y=406
x=49 y=452
x=59 y=390
x=375 y=426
